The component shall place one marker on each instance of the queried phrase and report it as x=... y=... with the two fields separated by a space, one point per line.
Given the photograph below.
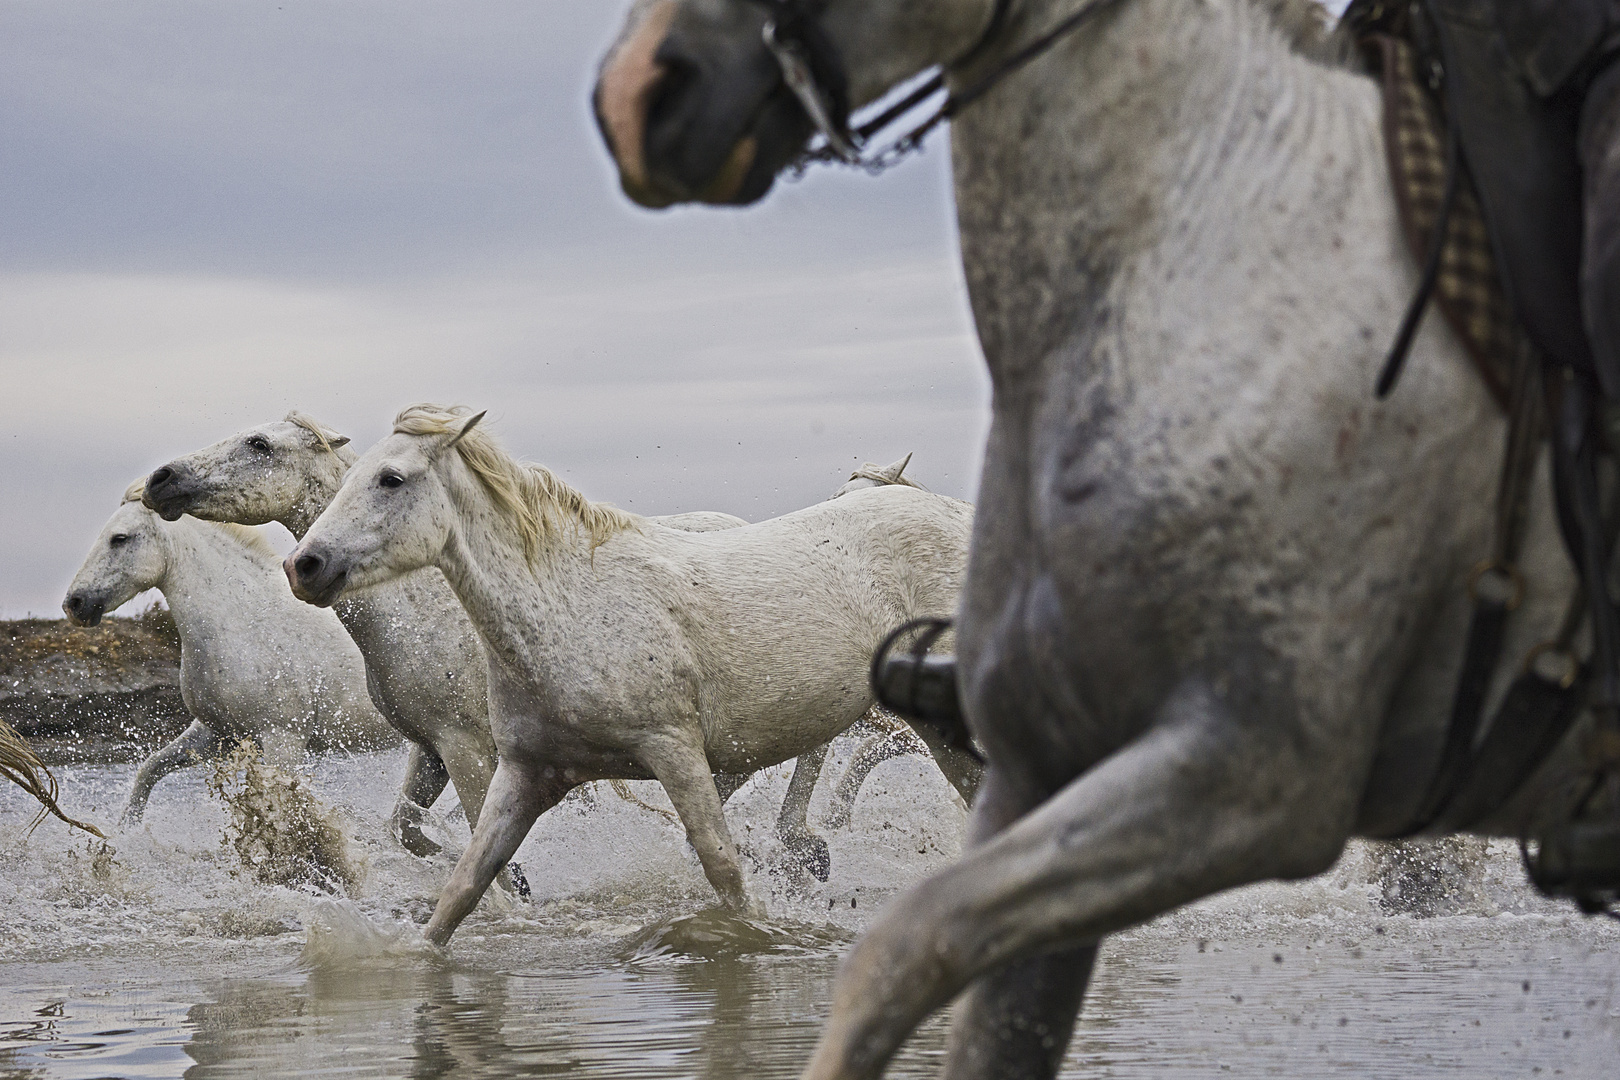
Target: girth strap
x=1496 y=588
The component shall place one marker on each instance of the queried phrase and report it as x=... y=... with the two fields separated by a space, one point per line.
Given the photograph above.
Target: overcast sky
x=213 y=212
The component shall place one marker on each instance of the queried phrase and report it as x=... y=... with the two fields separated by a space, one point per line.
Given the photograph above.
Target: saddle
x=1510 y=264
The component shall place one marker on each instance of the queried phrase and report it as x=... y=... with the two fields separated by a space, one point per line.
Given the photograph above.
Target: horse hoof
x=412 y=840
x=519 y=882
x=813 y=855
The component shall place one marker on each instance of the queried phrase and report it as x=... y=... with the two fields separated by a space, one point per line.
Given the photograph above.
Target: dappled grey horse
x=424 y=667
x=1216 y=596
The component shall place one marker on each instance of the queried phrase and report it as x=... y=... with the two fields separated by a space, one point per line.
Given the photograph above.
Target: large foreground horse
x=1216 y=598
x=620 y=648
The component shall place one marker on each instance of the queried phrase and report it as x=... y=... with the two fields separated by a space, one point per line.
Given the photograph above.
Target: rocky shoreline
x=103 y=693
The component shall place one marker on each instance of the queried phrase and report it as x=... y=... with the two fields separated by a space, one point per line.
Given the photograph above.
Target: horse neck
x=525 y=613
x=1157 y=142
x=320 y=487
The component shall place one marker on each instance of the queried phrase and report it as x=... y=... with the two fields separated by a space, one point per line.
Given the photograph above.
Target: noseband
x=813 y=71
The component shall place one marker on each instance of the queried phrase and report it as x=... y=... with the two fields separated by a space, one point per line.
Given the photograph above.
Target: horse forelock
x=532 y=497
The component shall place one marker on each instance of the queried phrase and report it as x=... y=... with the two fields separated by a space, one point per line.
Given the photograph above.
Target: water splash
x=280 y=831
x=716 y=934
x=341 y=935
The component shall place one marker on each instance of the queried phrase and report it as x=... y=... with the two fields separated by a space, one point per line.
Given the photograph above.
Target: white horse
x=892 y=738
x=619 y=647
x=1216 y=605
x=424 y=667
x=254 y=663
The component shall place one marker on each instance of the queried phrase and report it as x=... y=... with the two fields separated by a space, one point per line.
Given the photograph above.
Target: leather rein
x=813 y=72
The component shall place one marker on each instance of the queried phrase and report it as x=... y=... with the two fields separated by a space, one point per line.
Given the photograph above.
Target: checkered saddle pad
x=1469 y=289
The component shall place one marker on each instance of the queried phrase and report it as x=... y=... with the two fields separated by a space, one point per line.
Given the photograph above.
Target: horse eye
x=390 y=480
x=118 y=539
x=259 y=443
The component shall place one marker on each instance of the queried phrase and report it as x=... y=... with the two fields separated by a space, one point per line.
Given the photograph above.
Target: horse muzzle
x=84 y=608
x=314 y=576
x=697 y=113
x=170 y=490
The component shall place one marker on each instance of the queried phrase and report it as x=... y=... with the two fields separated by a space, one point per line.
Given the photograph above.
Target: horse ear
x=335 y=441
x=899 y=467
x=465 y=428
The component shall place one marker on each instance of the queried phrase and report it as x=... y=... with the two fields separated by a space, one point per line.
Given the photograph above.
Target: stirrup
x=921 y=687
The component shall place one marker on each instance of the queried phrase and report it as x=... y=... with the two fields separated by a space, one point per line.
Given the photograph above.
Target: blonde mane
x=531 y=496
x=250 y=538
x=314 y=427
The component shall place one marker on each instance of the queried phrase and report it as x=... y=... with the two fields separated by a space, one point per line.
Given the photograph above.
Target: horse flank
x=532 y=497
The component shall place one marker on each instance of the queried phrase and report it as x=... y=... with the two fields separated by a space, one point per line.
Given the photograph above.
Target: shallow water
x=163 y=962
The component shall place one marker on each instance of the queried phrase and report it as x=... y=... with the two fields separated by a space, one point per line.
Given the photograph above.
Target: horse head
x=693 y=99
x=265 y=473
x=129 y=557
x=392 y=514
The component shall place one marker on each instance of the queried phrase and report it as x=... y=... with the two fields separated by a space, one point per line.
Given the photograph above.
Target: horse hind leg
x=1016 y=1021
x=793 y=826
x=683 y=769
x=872 y=752
x=960 y=769
x=1200 y=802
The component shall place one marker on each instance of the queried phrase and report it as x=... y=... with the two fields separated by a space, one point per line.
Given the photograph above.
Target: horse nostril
x=159 y=477
x=665 y=95
x=75 y=603
x=308 y=566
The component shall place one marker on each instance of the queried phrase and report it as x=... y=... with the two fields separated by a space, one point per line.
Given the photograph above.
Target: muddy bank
x=105 y=693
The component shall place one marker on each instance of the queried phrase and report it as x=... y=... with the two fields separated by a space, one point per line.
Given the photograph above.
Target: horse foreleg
x=683 y=769
x=873 y=752
x=1016 y=1020
x=517 y=795
x=792 y=824
x=196 y=743
x=1197 y=804
x=425 y=779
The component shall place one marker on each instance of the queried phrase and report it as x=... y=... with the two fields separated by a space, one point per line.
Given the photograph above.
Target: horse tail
x=622 y=790
x=20 y=765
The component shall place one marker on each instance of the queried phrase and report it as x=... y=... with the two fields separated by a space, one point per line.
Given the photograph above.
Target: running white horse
x=619 y=647
x=254 y=663
x=424 y=666
x=1216 y=605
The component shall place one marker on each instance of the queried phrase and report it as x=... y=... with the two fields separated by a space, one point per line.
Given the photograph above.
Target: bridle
x=814 y=74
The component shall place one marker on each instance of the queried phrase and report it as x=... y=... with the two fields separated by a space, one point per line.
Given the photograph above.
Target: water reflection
x=1465 y=1001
